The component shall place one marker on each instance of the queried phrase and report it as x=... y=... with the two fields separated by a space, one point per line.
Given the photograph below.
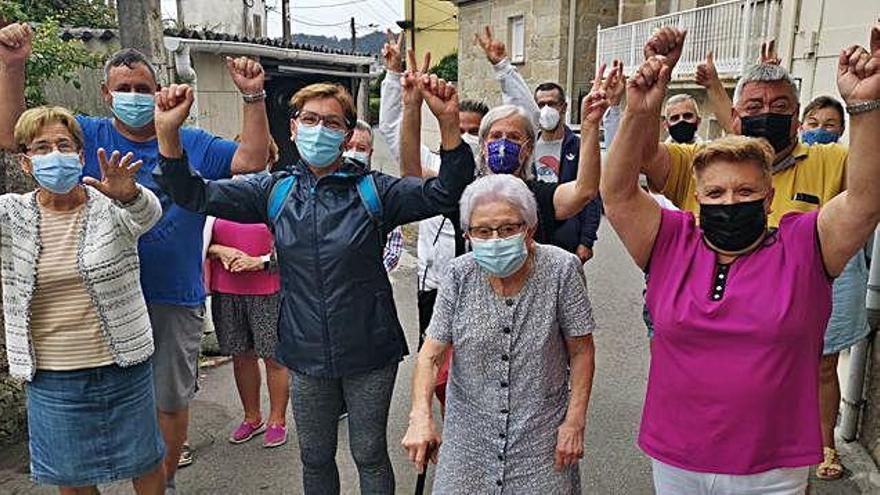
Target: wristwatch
x=255 y=97
x=266 y=258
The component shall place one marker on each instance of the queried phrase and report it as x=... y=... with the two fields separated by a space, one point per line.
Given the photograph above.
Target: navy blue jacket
x=338 y=316
x=582 y=228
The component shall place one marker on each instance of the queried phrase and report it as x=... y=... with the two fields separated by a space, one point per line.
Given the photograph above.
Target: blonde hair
x=326 y=90
x=34 y=120
x=736 y=149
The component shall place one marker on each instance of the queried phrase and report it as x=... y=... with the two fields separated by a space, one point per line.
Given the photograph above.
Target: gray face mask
x=359 y=156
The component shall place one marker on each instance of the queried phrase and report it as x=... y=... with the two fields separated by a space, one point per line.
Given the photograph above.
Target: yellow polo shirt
x=819 y=174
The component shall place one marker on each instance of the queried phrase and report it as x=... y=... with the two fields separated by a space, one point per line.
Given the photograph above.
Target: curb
x=213 y=362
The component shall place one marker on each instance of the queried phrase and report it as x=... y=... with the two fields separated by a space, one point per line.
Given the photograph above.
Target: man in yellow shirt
x=804 y=178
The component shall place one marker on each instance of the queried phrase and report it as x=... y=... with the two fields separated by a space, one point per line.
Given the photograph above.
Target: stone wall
x=13 y=422
x=590 y=15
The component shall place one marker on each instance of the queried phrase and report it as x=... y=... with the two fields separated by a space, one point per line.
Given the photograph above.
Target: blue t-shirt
x=171 y=252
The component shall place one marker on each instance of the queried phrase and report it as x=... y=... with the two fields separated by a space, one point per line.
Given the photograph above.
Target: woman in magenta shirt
x=739 y=310
x=244 y=287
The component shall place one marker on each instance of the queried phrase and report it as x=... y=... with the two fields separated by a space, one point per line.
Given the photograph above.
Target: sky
x=327 y=17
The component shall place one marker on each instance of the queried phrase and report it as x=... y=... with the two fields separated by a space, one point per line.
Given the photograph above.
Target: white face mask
x=549 y=119
x=472 y=141
x=360 y=156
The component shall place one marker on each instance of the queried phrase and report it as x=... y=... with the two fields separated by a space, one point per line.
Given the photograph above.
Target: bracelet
x=253 y=98
x=864 y=107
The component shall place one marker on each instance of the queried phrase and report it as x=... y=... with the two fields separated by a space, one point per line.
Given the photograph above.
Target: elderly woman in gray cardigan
x=77 y=328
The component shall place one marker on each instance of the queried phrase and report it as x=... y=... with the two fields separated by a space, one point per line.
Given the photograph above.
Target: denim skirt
x=93 y=426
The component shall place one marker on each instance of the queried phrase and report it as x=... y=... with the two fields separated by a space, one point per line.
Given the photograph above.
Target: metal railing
x=734 y=30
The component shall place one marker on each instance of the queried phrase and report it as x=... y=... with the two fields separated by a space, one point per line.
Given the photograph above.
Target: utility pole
x=353 y=36
x=285 y=19
x=140 y=27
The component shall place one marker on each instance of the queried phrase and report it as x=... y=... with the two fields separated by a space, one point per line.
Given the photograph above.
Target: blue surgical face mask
x=133 y=109
x=819 y=136
x=57 y=172
x=360 y=156
x=503 y=156
x=501 y=257
x=319 y=146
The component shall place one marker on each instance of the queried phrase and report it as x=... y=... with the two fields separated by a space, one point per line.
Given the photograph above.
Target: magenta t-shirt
x=252 y=239
x=734 y=379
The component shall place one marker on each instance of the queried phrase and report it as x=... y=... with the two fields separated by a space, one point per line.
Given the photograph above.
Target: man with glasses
x=557 y=147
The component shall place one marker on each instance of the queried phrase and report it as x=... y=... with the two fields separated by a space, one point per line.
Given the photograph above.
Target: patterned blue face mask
x=501 y=257
x=319 y=146
x=57 y=172
x=819 y=136
x=503 y=156
x=133 y=109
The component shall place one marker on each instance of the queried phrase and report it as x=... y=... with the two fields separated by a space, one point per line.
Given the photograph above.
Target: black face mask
x=733 y=228
x=683 y=132
x=774 y=127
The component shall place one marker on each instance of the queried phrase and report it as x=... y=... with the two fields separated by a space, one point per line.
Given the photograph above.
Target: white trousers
x=669 y=480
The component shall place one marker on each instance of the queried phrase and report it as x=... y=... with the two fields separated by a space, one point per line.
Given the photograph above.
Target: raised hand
x=247 y=74
x=707 y=74
x=412 y=94
x=593 y=105
x=494 y=49
x=441 y=97
x=392 y=53
x=615 y=85
x=15 y=44
x=668 y=42
x=768 y=53
x=858 y=71
x=117 y=176
x=172 y=106
x=646 y=90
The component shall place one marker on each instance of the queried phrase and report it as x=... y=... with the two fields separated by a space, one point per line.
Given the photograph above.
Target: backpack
x=367 y=190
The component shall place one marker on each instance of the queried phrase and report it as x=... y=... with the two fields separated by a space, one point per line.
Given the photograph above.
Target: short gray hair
x=362 y=125
x=682 y=98
x=764 y=73
x=499 y=113
x=128 y=57
x=503 y=188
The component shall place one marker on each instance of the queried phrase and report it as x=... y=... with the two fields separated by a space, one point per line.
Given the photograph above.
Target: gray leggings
x=317 y=403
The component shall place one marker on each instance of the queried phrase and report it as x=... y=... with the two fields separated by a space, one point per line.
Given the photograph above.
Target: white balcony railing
x=734 y=30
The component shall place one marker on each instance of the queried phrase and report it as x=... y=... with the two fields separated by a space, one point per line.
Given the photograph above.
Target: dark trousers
x=316 y=402
x=426 y=299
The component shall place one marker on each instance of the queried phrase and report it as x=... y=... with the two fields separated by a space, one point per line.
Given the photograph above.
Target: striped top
x=65 y=328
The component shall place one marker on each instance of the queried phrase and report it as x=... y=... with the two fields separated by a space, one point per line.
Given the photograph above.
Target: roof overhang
x=177 y=45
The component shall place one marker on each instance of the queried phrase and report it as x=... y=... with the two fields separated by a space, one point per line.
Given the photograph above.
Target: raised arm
x=15 y=47
x=846 y=222
x=514 y=90
x=409 y=199
x=390 y=102
x=719 y=101
x=252 y=154
x=615 y=90
x=632 y=212
x=570 y=198
x=238 y=200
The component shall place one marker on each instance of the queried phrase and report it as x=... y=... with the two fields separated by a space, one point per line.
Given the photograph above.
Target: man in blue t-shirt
x=170 y=253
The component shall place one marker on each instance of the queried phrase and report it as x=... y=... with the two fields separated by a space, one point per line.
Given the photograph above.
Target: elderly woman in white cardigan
x=77 y=328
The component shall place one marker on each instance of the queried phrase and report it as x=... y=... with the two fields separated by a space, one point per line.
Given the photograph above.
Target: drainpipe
x=185 y=72
x=852 y=401
x=569 y=69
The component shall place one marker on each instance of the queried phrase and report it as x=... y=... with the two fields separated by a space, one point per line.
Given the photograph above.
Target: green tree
x=51 y=56
x=447 y=67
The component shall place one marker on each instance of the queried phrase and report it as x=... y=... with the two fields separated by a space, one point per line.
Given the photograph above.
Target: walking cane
x=420 y=481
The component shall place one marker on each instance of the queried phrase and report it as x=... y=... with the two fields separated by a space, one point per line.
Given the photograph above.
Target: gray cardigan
x=107 y=260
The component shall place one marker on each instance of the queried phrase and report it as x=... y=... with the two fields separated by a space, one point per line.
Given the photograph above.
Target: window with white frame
x=516 y=34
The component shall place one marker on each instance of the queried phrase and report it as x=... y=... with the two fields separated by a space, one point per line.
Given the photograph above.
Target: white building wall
x=225 y=16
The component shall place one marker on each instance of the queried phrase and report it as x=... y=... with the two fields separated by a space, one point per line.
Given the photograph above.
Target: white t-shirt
x=547 y=162
x=436 y=247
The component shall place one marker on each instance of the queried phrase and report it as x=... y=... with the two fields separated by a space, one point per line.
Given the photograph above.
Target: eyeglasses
x=46 y=147
x=504 y=231
x=332 y=122
x=675 y=118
